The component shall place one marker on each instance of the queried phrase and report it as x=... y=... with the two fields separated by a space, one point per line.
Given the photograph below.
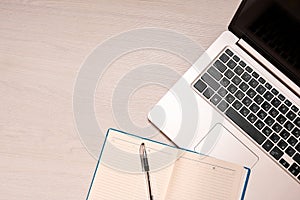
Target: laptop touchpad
x=220 y=143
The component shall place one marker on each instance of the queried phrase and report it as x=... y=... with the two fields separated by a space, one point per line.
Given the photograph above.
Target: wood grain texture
x=42 y=46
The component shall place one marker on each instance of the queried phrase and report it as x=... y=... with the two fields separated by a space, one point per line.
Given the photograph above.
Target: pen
x=145 y=168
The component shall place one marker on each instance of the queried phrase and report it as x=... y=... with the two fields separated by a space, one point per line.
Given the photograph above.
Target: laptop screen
x=272 y=27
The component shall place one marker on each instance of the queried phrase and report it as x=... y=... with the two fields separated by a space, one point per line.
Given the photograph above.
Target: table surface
x=43 y=45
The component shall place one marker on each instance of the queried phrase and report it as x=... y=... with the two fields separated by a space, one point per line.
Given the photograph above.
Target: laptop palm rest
x=220 y=143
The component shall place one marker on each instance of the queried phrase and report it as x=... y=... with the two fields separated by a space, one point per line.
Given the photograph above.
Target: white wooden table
x=42 y=46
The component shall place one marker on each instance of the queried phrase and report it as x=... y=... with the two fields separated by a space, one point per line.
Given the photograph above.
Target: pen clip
x=144 y=158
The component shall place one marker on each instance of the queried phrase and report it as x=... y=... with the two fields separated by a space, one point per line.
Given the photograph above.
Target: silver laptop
x=240 y=100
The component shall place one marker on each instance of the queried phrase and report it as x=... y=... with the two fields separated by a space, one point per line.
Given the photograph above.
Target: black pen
x=145 y=168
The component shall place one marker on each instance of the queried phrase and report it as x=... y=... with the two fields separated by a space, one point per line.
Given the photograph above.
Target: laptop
x=240 y=100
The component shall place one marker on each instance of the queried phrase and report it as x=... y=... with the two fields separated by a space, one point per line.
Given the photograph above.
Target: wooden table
x=42 y=47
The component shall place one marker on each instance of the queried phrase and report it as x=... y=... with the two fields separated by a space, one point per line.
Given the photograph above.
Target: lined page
x=113 y=184
x=197 y=177
x=119 y=174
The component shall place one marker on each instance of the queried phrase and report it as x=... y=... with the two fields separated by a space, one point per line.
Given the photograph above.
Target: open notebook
x=174 y=173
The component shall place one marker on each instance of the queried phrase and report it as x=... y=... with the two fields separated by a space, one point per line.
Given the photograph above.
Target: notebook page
x=197 y=177
x=119 y=175
x=113 y=184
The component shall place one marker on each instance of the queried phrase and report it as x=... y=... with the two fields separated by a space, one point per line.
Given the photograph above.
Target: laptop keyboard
x=258 y=108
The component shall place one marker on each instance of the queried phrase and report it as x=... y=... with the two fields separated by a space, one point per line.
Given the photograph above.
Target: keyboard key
x=238 y=70
x=273 y=112
x=276 y=153
x=254 y=107
x=267 y=85
x=244 y=111
x=255 y=75
x=253 y=83
x=208 y=93
x=237 y=105
x=282 y=144
x=297 y=122
x=239 y=95
x=245 y=126
x=275 y=138
x=296 y=132
x=246 y=77
x=231 y=64
x=261 y=80
x=267 y=131
x=229 y=74
x=214 y=73
x=229 y=98
x=236 y=58
x=281 y=97
x=275 y=102
x=243 y=86
x=215 y=99
x=220 y=66
x=289 y=126
x=284 y=163
x=248 y=69
x=261 y=114
x=292 y=141
x=231 y=88
x=259 y=124
x=268 y=96
x=298 y=147
x=268 y=145
x=283 y=109
x=294 y=169
x=288 y=103
x=252 y=118
x=246 y=101
x=295 y=109
x=284 y=134
x=251 y=93
x=290 y=151
x=229 y=52
x=223 y=106
x=269 y=121
x=276 y=127
x=266 y=106
x=210 y=81
x=274 y=91
x=222 y=91
x=281 y=119
x=260 y=89
x=297 y=158
x=242 y=63
x=224 y=58
x=236 y=80
x=200 y=85
x=258 y=99
x=225 y=82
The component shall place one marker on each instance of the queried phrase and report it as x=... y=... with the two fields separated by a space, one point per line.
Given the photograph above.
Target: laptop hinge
x=270 y=67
